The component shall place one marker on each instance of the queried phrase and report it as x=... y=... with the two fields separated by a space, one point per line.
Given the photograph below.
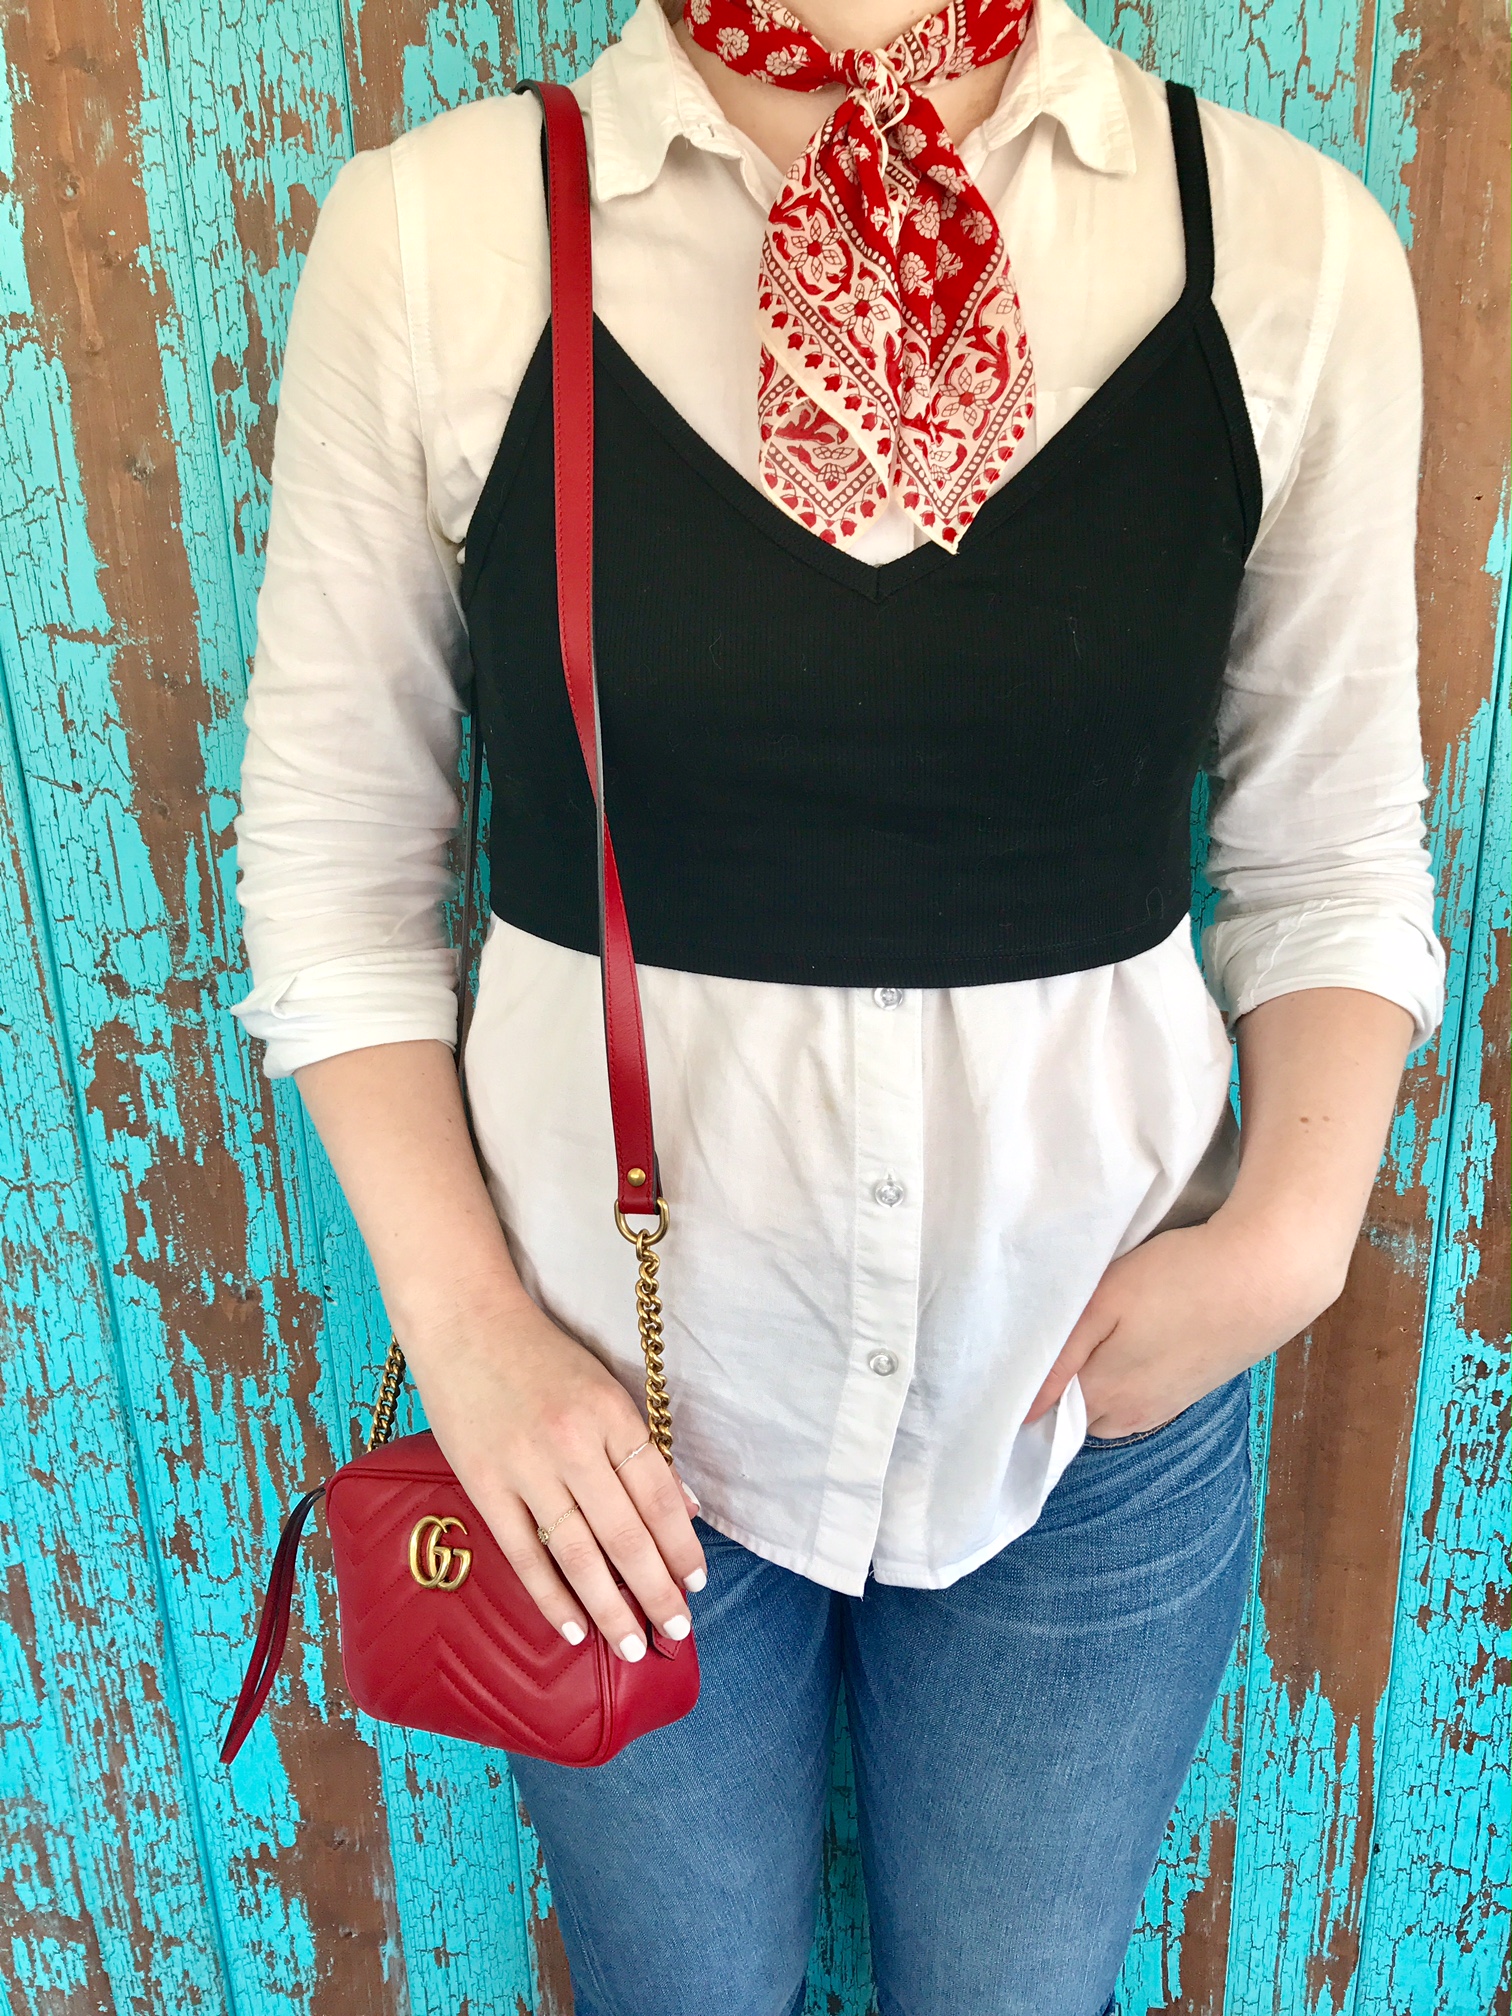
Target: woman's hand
x=1184 y=1312
x=533 y=1424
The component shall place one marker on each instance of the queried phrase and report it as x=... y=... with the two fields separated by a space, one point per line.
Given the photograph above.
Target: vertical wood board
x=1436 y=1910
x=123 y=673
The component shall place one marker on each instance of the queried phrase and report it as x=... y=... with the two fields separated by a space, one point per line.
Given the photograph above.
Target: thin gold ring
x=544 y=1533
x=639 y=1450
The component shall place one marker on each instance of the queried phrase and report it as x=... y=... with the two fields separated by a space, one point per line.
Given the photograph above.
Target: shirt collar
x=643 y=94
x=1066 y=72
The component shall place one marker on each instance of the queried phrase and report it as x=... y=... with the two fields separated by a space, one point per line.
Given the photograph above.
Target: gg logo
x=433 y=1564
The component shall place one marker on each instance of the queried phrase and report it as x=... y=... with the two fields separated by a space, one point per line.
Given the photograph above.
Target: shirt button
x=888 y=997
x=882 y=1363
x=889 y=1192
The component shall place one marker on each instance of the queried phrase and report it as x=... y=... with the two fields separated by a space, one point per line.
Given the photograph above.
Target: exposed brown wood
x=552 y=1971
x=375 y=41
x=1340 y=1436
x=1457 y=84
x=1205 y=1937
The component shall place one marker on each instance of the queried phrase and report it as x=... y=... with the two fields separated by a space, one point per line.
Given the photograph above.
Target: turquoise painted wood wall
x=189 y=1327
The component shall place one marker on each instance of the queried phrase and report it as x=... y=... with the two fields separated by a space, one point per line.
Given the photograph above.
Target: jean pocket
x=1233 y=1392
x=1144 y=1435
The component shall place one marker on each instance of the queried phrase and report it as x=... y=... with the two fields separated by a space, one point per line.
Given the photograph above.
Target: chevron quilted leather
x=477 y=1660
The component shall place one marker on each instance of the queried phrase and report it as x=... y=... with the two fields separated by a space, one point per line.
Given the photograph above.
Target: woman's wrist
x=1319 y=1070
x=435 y=1313
x=392 y=1121
x=1290 y=1247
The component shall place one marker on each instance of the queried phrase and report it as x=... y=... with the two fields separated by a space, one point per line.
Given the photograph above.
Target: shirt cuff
x=1255 y=958
x=352 y=1003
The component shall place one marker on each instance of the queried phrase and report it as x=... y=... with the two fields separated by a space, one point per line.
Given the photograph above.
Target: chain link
x=387 y=1404
x=648 y=1312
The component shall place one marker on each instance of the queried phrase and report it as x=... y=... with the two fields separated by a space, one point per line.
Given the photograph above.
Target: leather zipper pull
x=272 y=1629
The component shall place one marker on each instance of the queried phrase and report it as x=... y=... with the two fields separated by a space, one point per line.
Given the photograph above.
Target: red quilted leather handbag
x=437 y=1631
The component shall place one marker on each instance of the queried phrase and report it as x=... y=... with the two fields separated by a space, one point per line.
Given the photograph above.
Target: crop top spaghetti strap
x=953 y=769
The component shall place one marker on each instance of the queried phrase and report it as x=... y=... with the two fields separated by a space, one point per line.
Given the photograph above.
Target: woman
x=985 y=438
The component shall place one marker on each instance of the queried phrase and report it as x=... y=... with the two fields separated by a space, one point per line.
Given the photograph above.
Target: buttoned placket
x=888 y=1075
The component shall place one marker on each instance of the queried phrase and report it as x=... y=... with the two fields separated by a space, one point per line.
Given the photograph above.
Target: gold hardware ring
x=663 y=1219
x=544 y=1533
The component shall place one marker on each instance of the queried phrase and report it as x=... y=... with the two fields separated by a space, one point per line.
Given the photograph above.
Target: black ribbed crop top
x=951 y=769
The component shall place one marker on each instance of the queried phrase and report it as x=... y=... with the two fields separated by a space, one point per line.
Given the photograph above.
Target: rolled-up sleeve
x=349 y=792
x=1316 y=831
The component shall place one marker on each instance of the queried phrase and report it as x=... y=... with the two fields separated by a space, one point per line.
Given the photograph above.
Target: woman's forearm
x=392 y=1123
x=1318 y=1072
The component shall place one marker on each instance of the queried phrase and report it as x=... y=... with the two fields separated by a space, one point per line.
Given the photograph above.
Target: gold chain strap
x=648 y=1314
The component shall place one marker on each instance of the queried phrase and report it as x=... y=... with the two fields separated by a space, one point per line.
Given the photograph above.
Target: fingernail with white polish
x=677 y=1627
x=633 y=1647
x=573 y=1633
x=696 y=1581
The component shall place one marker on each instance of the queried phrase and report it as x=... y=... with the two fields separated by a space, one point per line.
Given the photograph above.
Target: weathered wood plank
x=255 y=123
x=1435 y=1918
x=127 y=745
x=1435 y=1921
x=840 y=1971
x=100 y=1826
x=114 y=1913
x=1347 y=1395
x=409 y=62
x=560 y=38
x=1340 y=1460
x=1305 y=65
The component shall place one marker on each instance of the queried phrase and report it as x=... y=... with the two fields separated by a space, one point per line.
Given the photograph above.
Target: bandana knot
x=894 y=363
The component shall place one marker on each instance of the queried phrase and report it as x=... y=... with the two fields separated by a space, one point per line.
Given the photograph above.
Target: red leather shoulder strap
x=638 y=1182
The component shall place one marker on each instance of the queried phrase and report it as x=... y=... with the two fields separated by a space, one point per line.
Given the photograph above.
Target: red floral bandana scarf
x=894 y=362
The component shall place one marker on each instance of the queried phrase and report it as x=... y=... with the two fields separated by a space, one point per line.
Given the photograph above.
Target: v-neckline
x=877 y=583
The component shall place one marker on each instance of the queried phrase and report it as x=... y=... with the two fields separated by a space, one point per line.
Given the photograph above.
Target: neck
x=782 y=123
x=859 y=24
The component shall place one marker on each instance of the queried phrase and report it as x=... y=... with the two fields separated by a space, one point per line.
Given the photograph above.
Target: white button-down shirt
x=889 y=1206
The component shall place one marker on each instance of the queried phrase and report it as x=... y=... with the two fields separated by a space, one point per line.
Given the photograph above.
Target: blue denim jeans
x=1020 y=1739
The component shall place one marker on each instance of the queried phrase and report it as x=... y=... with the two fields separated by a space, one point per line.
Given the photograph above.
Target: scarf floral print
x=894 y=362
